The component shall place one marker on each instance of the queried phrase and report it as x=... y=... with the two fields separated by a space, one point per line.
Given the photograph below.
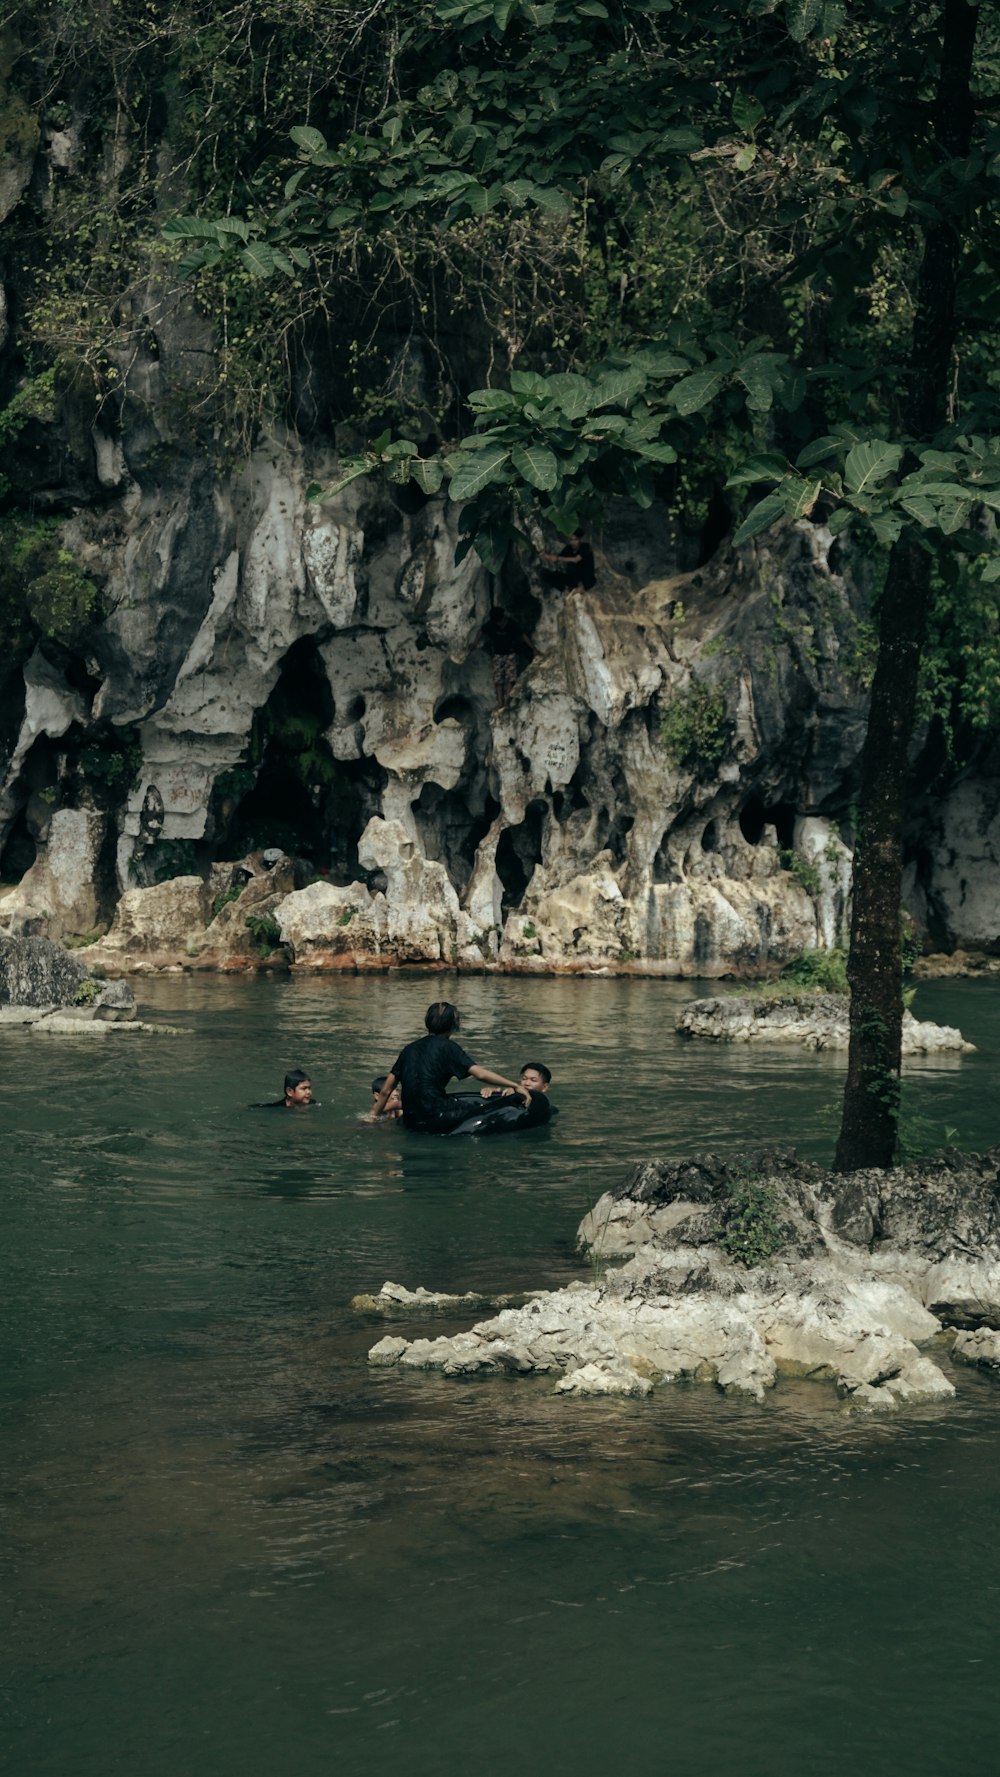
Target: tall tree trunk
x=871 y=1096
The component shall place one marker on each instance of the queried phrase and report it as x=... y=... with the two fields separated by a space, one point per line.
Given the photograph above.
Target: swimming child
x=298 y=1094
x=394 y=1102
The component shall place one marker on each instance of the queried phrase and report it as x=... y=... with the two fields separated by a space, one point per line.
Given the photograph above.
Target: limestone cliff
x=666 y=789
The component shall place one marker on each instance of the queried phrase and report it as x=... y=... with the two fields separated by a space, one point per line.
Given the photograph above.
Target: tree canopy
x=550 y=254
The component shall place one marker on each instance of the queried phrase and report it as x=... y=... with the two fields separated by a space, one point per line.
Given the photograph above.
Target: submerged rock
x=855 y=1276
x=816 y=1021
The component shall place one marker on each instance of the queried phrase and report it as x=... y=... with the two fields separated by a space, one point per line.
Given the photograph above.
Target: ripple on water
x=238 y=1549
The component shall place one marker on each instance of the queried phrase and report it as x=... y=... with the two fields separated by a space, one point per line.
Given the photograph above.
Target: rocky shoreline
x=744 y=1269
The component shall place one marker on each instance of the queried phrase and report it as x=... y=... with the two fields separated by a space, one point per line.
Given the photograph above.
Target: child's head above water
x=536 y=1076
x=394 y=1104
x=298 y=1087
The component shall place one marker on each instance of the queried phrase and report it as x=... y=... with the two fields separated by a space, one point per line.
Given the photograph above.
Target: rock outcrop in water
x=51 y=992
x=814 y=1021
x=738 y=1271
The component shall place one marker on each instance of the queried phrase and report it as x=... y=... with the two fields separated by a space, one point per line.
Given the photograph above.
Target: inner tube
x=503 y=1116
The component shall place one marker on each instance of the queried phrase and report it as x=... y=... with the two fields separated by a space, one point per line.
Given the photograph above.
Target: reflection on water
x=234 y=1549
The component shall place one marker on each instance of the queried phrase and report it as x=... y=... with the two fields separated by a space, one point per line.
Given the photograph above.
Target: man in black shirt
x=576 y=564
x=423 y=1069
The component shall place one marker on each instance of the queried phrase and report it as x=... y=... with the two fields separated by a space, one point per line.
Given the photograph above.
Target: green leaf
x=801 y=17
x=538 y=466
x=309 y=140
x=747 y=112
x=616 y=387
x=800 y=497
x=693 y=393
x=428 y=473
x=771 y=467
x=765 y=513
x=840 y=520
x=528 y=382
x=657 y=451
x=491 y=401
x=351 y=470
x=923 y=510
x=574 y=394
x=953 y=515
x=209 y=254
x=868 y=464
x=190 y=228
x=258 y=259
x=887 y=526
x=745 y=158
x=342 y=214
x=480 y=469
x=819 y=451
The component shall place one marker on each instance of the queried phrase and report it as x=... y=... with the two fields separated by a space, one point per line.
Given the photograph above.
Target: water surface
x=232 y=1548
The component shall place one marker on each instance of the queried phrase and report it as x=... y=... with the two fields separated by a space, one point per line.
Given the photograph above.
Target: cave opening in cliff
x=755 y=816
x=293 y=793
x=19 y=849
x=518 y=851
x=451 y=826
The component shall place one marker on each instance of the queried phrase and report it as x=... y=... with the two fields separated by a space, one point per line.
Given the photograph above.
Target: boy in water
x=393 y=1106
x=534 y=1075
x=298 y=1093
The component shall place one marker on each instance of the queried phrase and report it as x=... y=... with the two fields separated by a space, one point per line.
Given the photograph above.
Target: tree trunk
x=871 y=1096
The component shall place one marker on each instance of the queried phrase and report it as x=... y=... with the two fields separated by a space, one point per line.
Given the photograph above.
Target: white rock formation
x=865 y=1273
x=815 y=1021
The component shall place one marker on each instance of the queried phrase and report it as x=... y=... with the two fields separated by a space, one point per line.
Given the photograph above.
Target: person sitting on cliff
x=423 y=1070
x=575 y=572
x=298 y=1094
x=394 y=1102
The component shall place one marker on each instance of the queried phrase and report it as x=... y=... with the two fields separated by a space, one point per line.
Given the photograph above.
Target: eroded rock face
x=562 y=832
x=866 y=1272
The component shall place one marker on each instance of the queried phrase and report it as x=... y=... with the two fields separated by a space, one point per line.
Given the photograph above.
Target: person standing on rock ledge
x=423 y=1070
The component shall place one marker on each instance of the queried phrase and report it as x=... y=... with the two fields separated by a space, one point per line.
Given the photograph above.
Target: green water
x=230 y=1548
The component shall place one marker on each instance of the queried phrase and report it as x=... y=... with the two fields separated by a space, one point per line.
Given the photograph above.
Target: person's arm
x=491 y=1079
x=383 y=1098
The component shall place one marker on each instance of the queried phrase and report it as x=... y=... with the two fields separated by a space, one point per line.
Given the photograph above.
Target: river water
x=231 y=1548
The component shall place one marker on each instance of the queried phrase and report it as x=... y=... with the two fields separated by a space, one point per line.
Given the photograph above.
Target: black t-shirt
x=281 y=1104
x=423 y=1070
x=579 y=573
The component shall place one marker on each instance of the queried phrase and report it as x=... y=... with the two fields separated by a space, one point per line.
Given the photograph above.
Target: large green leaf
x=769 y=467
x=538 y=467
x=309 y=140
x=428 y=473
x=258 y=259
x=821 y=450
x=477 y=471
x=760 y=517
x=868 y=464
x=693 y=393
